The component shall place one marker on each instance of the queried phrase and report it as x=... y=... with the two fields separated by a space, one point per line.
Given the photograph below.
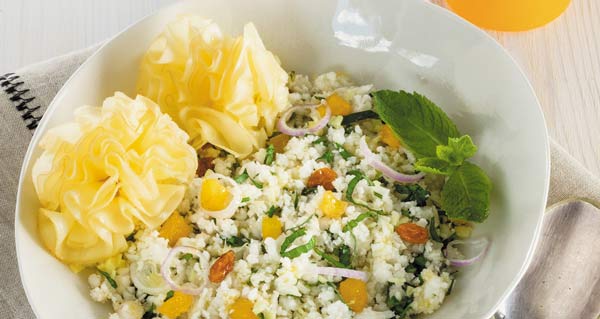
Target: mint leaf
x=433 y=165
x=420 y=124
x=457 y=150
x=466 y=194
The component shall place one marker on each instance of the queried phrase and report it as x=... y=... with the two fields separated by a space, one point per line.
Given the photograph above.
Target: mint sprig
x=429 y=133
x=420 y=123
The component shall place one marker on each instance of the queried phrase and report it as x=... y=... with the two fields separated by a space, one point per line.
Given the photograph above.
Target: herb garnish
x=327 y=157
x=236 y=241
x=329 y=258
x=111 y=281
x=245 y=199
x=186 y=256
x=295 y=252
x=430 y=134
x=270 y=155
x=170 y=295
x=414 y=192
x=273 y=210
x=353 y=223
x=244 y=176
x=399 y=307
x=433 y=232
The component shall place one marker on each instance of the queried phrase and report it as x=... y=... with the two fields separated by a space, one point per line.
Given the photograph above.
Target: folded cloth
x=24 y=96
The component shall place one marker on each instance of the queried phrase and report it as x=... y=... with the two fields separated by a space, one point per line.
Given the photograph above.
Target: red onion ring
x=457 y=260
x=377 y=164
x=165 y=270
x=342 y=272
x=284 y=128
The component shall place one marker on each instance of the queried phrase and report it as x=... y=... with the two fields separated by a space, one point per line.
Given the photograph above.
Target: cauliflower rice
x=403 y=279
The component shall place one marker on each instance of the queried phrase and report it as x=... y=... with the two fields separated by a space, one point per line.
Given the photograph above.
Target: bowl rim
x=446 y=12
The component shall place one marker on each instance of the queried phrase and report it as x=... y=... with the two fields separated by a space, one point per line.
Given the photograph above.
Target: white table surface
x=562 y=60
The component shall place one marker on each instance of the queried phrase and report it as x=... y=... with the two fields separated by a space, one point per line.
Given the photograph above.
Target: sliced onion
x=147 y=277
x=186 y=288
x=376 y=163
x=342 y=272
x=478 y=246
x=284 y=128
x=234 y=203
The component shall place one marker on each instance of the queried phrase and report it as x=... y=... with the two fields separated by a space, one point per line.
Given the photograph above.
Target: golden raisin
x=389 y=137
x=324 y=177
x=175 y=227
x=331 y=206
x=271 y=227
x=175 y=306
x=354 y=293
x=214 y=196
x=412 y=233
x=279 y=142
x=222 y=266
x=242 y=309
x=204 y=164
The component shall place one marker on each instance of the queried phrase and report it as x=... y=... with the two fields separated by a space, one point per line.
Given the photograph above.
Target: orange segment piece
x=331 y=206
x=175 y=227
x=509 y=15
x=271 y=227
x=177 y=305
x=388 y=137
x=242 y=309
x=354 y=293
x=338 y=105
x=214 y=196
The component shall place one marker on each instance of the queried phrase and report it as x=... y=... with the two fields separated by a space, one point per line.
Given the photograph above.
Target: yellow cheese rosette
x=115 y=166
x=221 y=90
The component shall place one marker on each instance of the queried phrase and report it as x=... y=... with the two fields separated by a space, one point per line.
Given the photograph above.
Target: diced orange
x=331 y=206
x=279 y=142
x=241 y=308
x=388 y=137
x=214 y=196
x=175 y=306
x=271 y=227
x=354 y=293
x=337 y=105
x=324 y=177
x=412 y=233
x=175 y=227
x=222 y=267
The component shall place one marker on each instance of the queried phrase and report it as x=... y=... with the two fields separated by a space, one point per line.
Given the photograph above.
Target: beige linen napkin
x=24 y=96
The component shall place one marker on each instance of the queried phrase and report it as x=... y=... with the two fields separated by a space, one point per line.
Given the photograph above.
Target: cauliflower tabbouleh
x=316 y=193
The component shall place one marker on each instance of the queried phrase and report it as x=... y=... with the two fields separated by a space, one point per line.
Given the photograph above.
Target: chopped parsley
x=299 y=250
x=273 y=210
x=111 y=281
x=186 y=257
x=413 y=192
x=270 y=155
x=236 y=241
x=170 y=295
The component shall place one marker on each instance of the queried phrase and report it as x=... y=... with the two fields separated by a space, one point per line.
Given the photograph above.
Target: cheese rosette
x=221 y=90
x=114 y=167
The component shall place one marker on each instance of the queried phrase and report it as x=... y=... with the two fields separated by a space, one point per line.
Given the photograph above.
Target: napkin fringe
x=13 y=86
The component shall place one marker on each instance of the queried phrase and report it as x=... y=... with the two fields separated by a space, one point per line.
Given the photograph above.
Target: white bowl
x=410 y=45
